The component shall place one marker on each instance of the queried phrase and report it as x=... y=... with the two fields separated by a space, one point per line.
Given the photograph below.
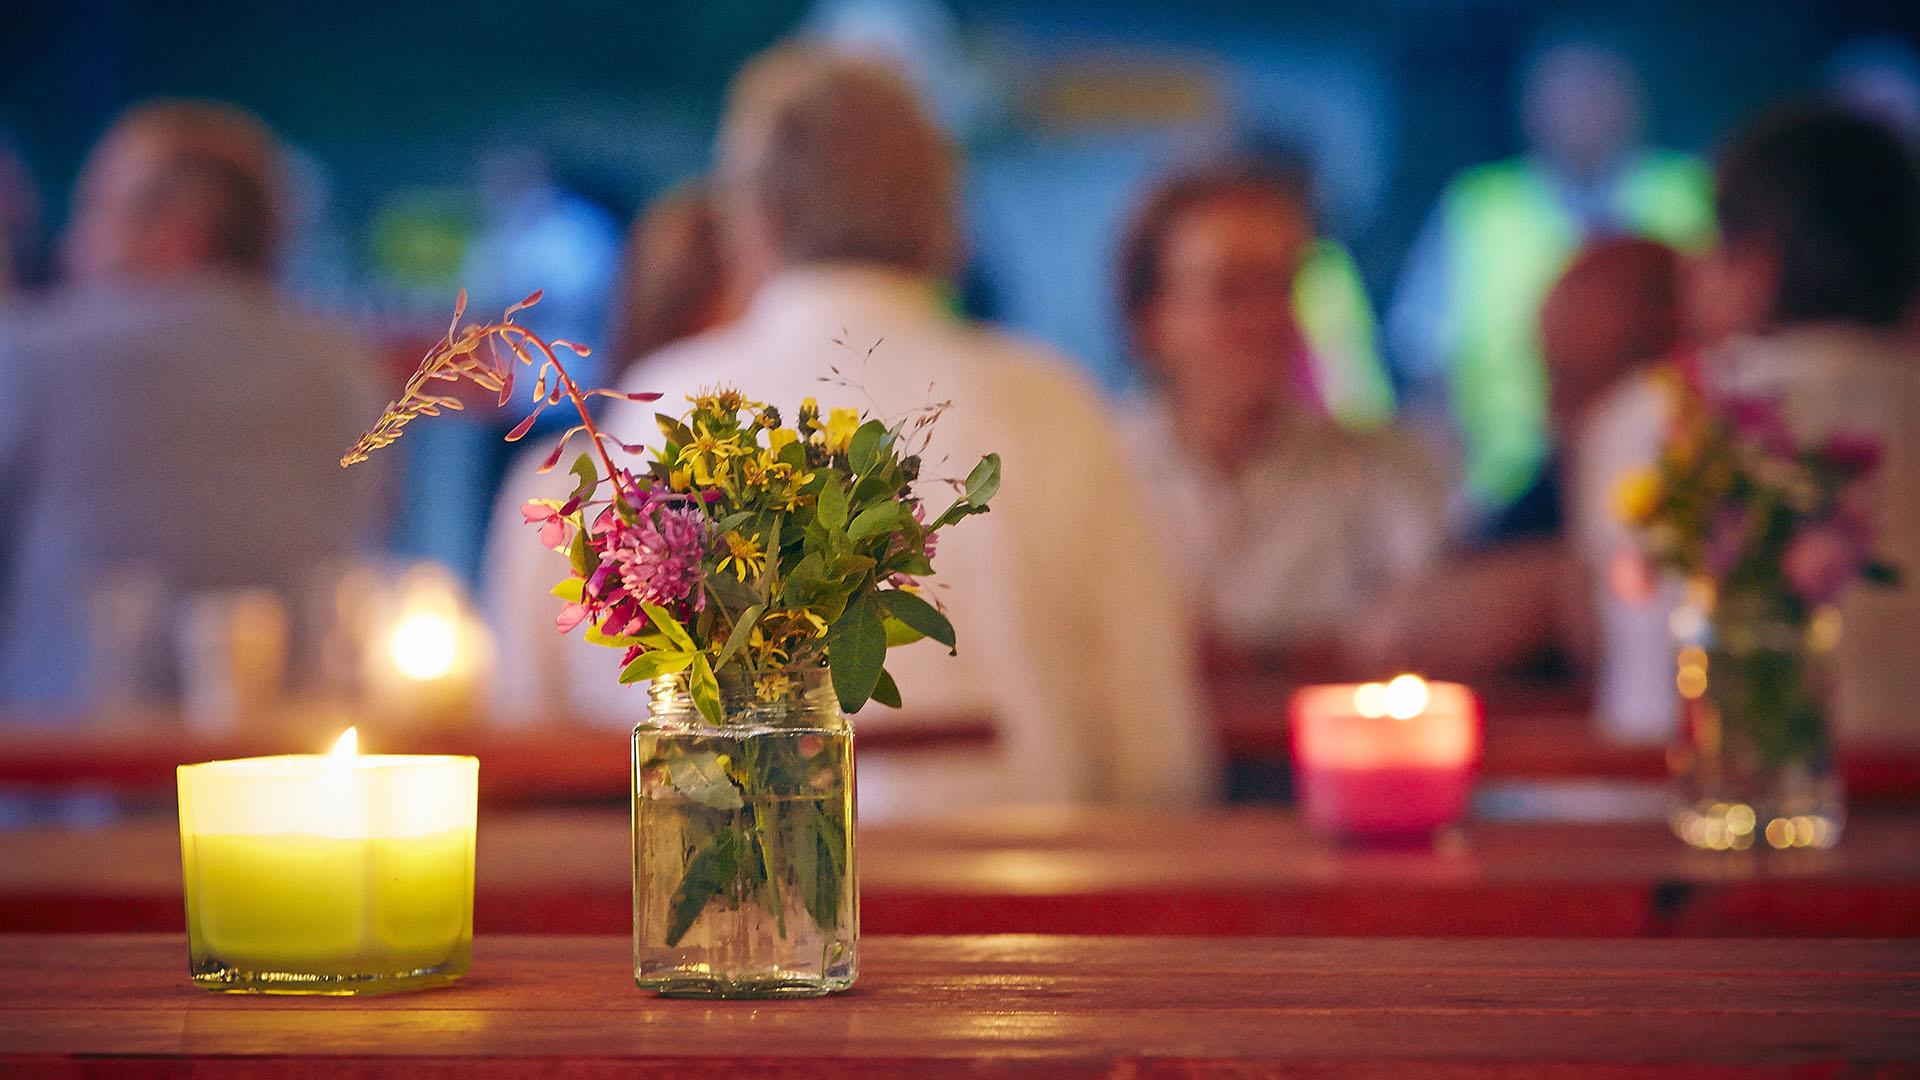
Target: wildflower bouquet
x=741 y=564
x=741 y=545
x=1768 y=531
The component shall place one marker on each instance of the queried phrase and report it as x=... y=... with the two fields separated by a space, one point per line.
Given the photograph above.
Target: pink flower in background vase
x=1855 y=453
x=1761 y=422
x=1822 y=560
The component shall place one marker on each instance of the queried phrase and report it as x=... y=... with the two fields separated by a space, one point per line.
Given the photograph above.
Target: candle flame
x=348 y=744
x=423 y=645
x=1406 y=697
x=1370 y=700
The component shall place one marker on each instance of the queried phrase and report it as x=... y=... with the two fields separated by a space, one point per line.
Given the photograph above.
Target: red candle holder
x=1385 y=761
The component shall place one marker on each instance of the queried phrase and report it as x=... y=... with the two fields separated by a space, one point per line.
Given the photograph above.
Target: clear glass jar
x=744 y=883
x=1755 y=762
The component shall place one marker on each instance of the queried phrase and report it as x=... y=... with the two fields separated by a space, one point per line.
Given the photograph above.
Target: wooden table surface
x=1249 y=873
x=1008 y=1006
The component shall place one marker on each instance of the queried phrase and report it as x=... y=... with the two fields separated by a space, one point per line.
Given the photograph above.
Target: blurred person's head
x=674 y=281
x=1580 y=105
x=825 y=158
x=1616 y=307
x=1879 y=78
x=1819 y=215
x=1207 y=270
x=176 y=188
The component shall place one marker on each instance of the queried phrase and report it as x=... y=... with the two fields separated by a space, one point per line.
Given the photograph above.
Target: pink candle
x=1385 y=760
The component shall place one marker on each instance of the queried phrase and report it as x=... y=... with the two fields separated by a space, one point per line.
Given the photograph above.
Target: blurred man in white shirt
x=171 y=426
x=839 y=197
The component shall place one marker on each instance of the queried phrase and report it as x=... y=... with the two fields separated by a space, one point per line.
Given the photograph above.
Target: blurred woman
x=1289 y=528
x=673 y=284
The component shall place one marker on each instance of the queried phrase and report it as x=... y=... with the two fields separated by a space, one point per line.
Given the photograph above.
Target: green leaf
x=580 y=554
x=653 y=664
x=673 y=429
x=709 y=874
x=856 y=648
x=919 y=614
x=589 y=477
x=912 y=564
x=569 y=590
x=984 y=481
x=742 y=631
x=733 y=521
x=877 y=520
x=699 y=777
x=597 y=636
x=899 y=633
x=705 y=689
x=864 y=450
x=664 y=621
x=885 y=691
x=831 y=510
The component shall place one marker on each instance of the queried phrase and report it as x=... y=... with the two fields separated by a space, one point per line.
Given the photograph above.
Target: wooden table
x=1249 y=873
x=1008 y=1006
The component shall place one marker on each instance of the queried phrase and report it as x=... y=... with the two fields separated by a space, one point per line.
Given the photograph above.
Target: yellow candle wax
x=332 y=905
x=328 y=874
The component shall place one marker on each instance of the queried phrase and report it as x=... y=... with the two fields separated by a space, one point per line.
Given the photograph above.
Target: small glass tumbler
x=328 y=874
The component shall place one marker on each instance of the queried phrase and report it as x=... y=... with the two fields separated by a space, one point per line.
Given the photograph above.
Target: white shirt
x=1622 y=432
x=1071 y=635
x=1321 y=525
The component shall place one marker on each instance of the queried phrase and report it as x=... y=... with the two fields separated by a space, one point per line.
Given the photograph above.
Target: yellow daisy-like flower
x=707 y=454
x=809 y=416
x=841 y=424
x=779 y=438
x=744 y=555
x=1637 y=496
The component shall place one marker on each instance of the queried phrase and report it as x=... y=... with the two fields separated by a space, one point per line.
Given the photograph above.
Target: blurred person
x=1539 y=601
x=1289 y=528
x=674 y=281
x=839 y=198
x=1464 y=322
x=1879 y=77
x=1804 y=295
x=172 y=423
x=1610 y=330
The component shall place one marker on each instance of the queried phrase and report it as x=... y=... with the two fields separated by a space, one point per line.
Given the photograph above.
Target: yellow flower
x=744 y=554
x=708 y=453
x=841 y=424
x=809 y=415
x=723 y=400
x=1637 y=496
x=779 y=438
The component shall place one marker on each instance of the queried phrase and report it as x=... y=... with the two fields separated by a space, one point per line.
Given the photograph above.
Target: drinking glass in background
x=233 y=649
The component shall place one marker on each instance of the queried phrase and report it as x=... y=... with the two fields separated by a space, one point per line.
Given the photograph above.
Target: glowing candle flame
x=1405 y=697
x=348 y=744
x=1370 y=700
x=423 y=645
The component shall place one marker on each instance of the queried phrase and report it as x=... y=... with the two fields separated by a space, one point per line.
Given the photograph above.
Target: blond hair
x=832 y=158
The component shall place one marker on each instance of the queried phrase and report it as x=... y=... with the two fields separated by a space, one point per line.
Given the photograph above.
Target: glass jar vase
x=1754 y=765
x=744 y=883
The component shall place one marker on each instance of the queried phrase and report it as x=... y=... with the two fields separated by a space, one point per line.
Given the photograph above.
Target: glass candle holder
x=1385 y=761
x=328 y=874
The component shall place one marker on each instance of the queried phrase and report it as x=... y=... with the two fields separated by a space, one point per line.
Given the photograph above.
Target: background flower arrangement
x=1769 y=532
